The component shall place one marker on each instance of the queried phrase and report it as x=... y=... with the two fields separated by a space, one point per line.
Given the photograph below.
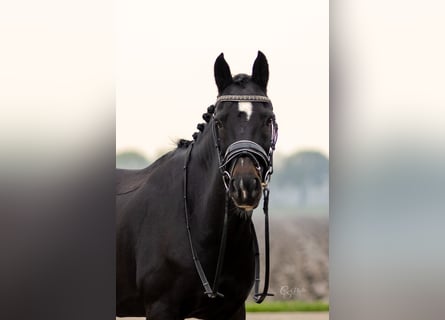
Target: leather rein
x=262 y=160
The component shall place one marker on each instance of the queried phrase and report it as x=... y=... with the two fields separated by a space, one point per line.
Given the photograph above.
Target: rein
x=211 y=292
x=236 y=149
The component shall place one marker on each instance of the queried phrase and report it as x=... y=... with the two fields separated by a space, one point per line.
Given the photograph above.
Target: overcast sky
x=165 y=56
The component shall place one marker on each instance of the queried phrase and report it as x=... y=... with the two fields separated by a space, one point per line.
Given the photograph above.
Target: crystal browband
x=250 y=98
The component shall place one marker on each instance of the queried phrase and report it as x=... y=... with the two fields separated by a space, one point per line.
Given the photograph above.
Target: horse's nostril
x=233 y=185
x=256 y=183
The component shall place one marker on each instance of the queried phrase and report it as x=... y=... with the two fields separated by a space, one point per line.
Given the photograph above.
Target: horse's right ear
x=223 y=77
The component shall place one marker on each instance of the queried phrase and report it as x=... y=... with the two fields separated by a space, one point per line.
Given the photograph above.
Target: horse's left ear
x=260 y=71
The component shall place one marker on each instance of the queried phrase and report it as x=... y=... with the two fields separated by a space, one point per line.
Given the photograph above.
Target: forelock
x=241 y=79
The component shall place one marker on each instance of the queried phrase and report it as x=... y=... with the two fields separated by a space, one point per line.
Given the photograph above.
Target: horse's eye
x=270 y=121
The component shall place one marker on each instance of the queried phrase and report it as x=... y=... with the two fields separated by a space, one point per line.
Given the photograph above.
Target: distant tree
x=131 y=160
x=302 y=180
x=305 y=168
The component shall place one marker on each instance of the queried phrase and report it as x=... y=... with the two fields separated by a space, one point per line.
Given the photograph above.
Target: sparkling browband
x=249 y=98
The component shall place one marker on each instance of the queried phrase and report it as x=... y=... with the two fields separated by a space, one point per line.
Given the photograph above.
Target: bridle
x=264 y=163
x=262 y=159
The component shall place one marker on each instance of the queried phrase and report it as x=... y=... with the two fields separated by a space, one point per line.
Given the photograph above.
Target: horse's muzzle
x=245 y=185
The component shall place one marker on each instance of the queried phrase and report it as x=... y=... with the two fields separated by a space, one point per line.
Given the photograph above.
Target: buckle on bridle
x=226 y=177
x=213 y=295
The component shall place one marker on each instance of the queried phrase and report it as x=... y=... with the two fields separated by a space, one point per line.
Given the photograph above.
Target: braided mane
x=183 y=143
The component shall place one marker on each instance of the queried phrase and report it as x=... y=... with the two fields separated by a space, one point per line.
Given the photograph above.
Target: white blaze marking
x=245 y=107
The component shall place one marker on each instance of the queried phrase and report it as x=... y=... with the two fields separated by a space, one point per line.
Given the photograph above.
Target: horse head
x=244 y=130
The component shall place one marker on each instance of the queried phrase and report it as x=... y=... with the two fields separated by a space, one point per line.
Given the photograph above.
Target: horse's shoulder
x=129 y=180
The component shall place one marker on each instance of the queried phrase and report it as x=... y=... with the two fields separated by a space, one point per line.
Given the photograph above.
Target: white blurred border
x=387 y=118
x=57 y=159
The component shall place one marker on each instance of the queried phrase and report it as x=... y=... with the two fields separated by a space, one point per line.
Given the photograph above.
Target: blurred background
x=165 y=83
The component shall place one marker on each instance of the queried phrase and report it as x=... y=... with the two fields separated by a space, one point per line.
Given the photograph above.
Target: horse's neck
x=208 y=196
x=206 y=186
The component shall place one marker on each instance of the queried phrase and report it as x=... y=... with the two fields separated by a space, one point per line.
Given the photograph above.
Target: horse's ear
x=260 y=71
x=223 y=77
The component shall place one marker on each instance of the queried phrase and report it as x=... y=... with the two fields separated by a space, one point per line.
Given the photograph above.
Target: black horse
x=197 y=201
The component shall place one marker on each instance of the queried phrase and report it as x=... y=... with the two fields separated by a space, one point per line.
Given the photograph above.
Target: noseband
x=264 y=165
x=250 y=149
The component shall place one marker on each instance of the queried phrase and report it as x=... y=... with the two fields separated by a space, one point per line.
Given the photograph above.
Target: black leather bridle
x=264 y=164
x=263 y=160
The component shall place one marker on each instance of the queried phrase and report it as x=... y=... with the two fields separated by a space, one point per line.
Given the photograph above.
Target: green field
x=287 y=306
